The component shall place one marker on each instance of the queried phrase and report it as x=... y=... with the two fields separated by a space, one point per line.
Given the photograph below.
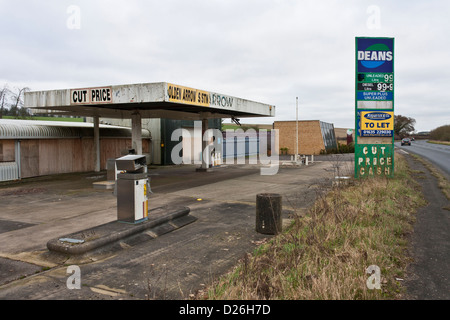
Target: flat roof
x=32 y=129
x=151 y=100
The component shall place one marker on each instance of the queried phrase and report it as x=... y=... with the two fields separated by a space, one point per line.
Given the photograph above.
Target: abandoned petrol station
x=39 y=146
x=132 y=184
x=162 y=106
x=140 y=117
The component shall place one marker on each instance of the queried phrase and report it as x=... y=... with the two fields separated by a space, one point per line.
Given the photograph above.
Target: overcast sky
x=264 y=50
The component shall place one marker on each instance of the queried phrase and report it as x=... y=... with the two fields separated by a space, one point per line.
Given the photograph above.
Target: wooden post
x=268 y=213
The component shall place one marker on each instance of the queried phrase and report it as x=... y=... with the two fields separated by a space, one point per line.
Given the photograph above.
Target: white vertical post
x=205 y=157
x=296 y=136
x=206 y=153
x=17 y=158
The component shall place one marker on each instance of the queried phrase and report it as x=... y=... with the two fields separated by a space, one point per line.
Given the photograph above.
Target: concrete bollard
x=268 y=213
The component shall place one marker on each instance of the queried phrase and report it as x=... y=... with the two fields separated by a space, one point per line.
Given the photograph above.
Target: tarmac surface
x=427 y=275
x=437 y=154
x=173 y=265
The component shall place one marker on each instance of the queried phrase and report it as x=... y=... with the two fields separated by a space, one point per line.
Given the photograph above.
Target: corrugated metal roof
x=31 y=129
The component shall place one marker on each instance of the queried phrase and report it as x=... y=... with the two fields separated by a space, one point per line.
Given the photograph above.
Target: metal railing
x=9 y=171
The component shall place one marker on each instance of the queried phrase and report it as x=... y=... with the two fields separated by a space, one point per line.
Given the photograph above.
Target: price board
x=375 y=86
x=375 y=73
x=376 y=77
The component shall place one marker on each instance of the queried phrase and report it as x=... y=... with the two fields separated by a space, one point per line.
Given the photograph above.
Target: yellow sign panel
x=376 y=123
x=187 y=95
x=145 y=208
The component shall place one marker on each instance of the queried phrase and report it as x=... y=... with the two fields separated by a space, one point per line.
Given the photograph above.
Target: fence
x=9 y=171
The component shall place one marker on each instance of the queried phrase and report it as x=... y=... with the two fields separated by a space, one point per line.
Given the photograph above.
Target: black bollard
x=268 y=213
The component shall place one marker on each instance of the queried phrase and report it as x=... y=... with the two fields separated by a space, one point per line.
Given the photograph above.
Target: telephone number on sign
x=378 y=133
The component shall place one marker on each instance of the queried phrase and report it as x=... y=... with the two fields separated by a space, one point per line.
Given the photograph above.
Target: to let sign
x=376 y=123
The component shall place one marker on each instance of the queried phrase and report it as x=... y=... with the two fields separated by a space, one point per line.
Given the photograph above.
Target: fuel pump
x=132 y=189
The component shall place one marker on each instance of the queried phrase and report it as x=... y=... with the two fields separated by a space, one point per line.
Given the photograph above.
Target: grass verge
x=325 y=254
x=447 y=143
x=443 y=183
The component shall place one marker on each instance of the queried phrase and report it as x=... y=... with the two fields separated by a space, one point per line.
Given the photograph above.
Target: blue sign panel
x=374 y=95
x=375 y=55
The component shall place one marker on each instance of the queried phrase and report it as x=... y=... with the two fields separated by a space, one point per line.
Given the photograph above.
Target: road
x=437 y=154
x=427 y=275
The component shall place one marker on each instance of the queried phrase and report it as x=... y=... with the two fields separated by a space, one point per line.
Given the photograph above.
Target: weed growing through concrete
x=153 y=282
x=325 y=254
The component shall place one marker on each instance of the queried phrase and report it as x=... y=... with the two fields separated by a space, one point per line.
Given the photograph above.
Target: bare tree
x=18 y=97
x=17 y=108
x=3 y=94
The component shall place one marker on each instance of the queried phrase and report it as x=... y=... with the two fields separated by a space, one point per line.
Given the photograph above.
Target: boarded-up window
x=7 y=151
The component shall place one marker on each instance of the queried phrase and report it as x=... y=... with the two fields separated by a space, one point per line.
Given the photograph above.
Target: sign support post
x=374 y=107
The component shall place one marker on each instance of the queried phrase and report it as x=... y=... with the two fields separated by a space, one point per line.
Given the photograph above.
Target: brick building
x=313 y=136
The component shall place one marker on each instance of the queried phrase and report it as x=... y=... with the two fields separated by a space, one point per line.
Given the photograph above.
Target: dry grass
x=325 y=254
x=443 y=183
x=447 y=143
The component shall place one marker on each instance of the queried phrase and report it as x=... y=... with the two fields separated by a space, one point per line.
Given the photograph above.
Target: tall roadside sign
x=374 y=107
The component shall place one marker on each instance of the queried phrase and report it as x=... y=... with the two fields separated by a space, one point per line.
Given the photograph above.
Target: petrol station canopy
x=150 y=100
x=147 y=100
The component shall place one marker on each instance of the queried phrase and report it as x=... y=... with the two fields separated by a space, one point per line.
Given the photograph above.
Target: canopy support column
x=205 y=150
x=97 y=143
x=136 y=132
